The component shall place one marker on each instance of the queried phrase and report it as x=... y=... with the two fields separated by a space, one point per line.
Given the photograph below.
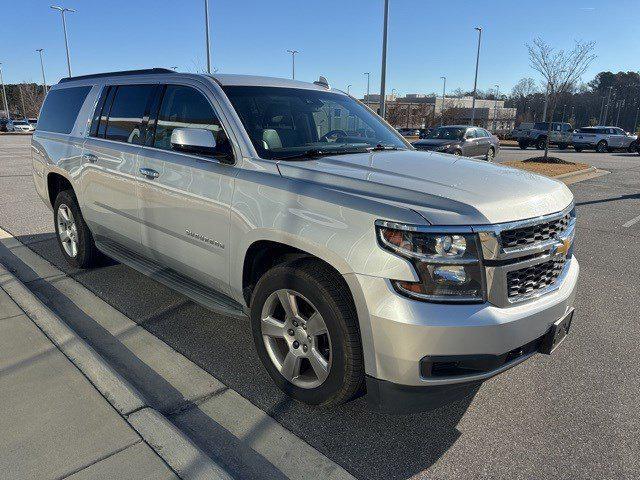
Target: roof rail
x=148 y=71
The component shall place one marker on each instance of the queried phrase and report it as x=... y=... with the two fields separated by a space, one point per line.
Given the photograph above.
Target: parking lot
x=570 y=415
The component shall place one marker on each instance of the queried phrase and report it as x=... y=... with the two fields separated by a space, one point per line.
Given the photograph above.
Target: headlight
x=447 y=263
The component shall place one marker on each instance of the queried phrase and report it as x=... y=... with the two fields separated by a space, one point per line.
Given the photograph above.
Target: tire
x=315 y=288
x=523 y=145
x=633 y=147
x=491 y=154
x=457 y=153
x=577 y=149
x=541 y=143
x=562 y=146
x=602 y=147
x=85 y=254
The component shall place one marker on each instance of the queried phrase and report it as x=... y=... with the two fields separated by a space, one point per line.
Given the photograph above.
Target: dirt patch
x=510 y=143
x=546 y=168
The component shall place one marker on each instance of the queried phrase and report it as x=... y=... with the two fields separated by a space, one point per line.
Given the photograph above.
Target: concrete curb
x=580 y=175
x=180 y=453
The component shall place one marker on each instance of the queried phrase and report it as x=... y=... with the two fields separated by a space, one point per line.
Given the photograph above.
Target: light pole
x=606 y=110
x=495 y=109
x=475 y=82
x=383 y=69
x=62 y=11
x=206 y=30
x=4 y=94
x=349 y=89
x=293 y=63
x=604 y=98
x=44 y=80
x=368 y=74
x=444 y=91
x=635 y=122
x=620 y=103
x=564 y=108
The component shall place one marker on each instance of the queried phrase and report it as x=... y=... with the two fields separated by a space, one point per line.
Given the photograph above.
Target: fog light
x=450 y=274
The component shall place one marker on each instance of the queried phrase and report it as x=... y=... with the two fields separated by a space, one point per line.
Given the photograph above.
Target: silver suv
x=361 y=263
x=604 y=139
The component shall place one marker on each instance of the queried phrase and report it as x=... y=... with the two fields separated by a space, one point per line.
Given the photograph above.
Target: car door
x=185 y=198
x=474 y=147
x=110 y=164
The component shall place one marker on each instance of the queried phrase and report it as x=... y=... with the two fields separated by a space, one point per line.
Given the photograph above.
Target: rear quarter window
x=61 y=108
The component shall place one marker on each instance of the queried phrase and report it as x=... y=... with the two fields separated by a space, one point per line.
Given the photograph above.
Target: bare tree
x=521 y=92
x=560 y=70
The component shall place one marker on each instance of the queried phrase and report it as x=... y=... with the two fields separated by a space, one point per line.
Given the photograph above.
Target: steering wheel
x=332 y=133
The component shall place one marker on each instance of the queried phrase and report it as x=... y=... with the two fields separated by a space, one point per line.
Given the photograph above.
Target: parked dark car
x=461 y=140
x=425 y=132
x=6 y=125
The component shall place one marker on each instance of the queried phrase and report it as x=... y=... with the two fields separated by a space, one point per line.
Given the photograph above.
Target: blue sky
x=339 y=39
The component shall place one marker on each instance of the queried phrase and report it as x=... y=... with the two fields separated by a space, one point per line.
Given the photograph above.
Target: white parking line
x=633 y=221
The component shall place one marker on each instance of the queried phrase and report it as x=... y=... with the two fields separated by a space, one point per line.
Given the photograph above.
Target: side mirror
x=193 y=140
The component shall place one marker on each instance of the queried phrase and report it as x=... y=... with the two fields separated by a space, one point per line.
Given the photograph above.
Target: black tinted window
x=61 y=108
x=125 y=116
x=184 y=107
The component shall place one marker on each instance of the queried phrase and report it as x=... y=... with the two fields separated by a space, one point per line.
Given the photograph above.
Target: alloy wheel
x=296 y=338
x=67 y=230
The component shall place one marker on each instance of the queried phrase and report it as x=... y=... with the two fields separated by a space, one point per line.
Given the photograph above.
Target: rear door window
x=61 y=108
x=127 y=111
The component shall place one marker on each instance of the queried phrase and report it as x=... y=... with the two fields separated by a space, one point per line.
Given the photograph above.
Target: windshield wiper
x=317 y=152
x=380 y=147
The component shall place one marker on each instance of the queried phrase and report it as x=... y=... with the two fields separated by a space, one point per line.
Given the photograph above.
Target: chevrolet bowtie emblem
x=562 y=247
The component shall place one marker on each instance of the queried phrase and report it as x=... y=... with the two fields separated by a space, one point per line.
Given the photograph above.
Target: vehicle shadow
x=633 y=196
x=363 y=440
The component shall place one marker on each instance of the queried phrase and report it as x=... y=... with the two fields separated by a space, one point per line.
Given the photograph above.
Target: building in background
x=416 y=110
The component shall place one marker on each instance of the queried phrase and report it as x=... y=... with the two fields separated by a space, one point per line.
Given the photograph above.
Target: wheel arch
x=56 y=182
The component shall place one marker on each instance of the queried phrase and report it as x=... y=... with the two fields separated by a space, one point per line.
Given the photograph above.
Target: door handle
x=149 y=172
x=90 y=157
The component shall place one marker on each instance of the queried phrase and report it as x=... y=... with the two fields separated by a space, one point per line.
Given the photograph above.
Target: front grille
x=532 y=279
x=520 y=237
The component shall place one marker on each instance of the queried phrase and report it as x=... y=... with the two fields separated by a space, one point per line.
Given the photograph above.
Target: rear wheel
x=562 y=146
x=577 y=149
x=74 y=237
x=602 y=147
x=523 y=144
x=541 y=143
x=305 y=330
x=457 y=153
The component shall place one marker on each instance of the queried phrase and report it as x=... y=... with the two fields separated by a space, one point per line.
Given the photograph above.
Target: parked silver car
x=360 y=262
x=604 y=139
x=461 y=140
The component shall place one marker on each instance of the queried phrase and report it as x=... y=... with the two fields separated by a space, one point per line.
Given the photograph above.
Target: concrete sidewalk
x=53 y=421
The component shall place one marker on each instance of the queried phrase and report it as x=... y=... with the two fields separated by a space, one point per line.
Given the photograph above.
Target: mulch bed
x=551 y=168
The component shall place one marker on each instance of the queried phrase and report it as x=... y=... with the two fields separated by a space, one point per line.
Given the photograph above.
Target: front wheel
x=491 y=154
x=305 y=329
x=541 y=143
x=578 y=149
x=562 y=146
x=523 y=145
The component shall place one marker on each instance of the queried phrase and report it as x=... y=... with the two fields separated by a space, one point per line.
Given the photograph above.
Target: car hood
x=443 y=189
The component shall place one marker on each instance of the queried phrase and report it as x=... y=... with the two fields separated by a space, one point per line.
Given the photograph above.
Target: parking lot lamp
x=444 y=91
x=62 y=11
x=4 y=94
x=206 y=30
x=383 y=69
x=495 y=109
x=44 y=80
x=620 y=104
x=606 y=109
x=349 y=89
x=368 y=74
x=475 y=82
x=293 y=63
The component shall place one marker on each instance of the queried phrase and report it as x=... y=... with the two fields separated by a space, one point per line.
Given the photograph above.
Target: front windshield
x=284 y=122
x=447 y=133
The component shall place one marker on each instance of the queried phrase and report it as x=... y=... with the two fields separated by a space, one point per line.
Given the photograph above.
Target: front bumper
x=401 y=332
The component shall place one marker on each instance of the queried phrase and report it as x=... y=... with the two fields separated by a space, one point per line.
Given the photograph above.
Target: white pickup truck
x=604 y=139
x=560 y=135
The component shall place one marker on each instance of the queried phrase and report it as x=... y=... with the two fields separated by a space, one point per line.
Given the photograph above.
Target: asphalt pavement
x=570 y=415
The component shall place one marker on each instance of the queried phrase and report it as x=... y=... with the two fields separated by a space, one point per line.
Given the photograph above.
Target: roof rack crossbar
x=148 y=71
